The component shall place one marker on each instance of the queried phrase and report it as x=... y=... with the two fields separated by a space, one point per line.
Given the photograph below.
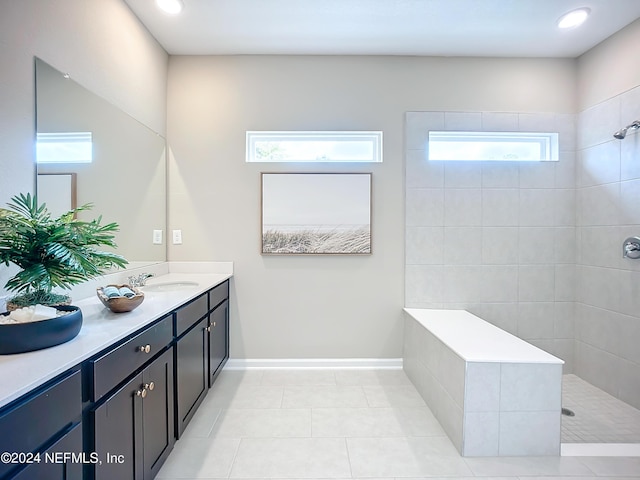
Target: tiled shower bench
x=493 y=393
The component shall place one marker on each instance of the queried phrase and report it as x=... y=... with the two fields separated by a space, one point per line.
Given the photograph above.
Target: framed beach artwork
x=316 y=213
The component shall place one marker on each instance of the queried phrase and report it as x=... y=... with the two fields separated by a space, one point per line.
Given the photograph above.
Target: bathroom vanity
x=112 y=402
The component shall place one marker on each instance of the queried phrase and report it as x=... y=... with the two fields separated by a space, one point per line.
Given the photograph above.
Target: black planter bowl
x=26 y=337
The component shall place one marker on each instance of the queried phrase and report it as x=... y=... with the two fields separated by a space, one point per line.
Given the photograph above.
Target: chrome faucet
x=139 y=280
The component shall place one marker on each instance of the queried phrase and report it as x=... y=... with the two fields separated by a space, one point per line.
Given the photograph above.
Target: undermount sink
x=169 y=286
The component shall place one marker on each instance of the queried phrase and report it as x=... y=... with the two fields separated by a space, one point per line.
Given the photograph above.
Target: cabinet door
x=53 y=465
x=218 y=339
x=157 y=413
x=191 y=372
x=118 y=432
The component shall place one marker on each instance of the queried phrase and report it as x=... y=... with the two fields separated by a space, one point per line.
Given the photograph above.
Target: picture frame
x=316 y=213
x=58 y=191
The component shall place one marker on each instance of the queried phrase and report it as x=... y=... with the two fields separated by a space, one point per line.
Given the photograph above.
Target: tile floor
x=600 y=417
x=343 y=424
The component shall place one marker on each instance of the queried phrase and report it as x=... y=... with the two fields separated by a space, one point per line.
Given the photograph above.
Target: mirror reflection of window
x=64 y=147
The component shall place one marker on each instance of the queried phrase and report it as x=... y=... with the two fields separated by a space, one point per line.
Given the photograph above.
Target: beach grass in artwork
x=356 y=240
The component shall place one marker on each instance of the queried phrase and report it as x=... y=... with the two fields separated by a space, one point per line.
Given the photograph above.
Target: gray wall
x=319 y=307
x=610 y=68
x=608 y=210
x=100 y=43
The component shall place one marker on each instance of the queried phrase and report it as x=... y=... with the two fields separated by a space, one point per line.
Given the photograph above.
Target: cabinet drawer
x=113 y=367
x=189 y=314
x=218 y=295
x=29 y=424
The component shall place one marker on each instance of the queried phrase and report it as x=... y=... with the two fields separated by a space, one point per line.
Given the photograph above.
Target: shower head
x=620 y=134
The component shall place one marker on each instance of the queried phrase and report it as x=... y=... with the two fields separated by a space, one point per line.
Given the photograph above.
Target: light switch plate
x=177 y=237
x=157 y=237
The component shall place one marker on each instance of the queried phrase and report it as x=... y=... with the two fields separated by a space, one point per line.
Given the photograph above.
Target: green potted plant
x=52 y=252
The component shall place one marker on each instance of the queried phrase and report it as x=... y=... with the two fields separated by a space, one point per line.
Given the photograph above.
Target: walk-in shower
x=569 y=291
x=620 y=134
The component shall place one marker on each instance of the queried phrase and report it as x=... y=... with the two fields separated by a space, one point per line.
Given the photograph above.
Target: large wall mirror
x=89 y=151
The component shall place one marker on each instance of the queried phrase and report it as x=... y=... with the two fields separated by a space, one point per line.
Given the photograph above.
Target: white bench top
x=476 y=340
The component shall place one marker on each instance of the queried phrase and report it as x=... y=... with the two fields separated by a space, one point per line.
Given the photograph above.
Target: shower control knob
x=631 y=248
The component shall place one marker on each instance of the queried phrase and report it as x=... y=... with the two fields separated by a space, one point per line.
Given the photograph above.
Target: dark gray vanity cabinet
x=191 y=361
x=133 y=422
x=37 y=429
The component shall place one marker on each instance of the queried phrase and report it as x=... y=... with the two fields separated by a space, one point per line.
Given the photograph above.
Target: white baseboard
x=314 y=363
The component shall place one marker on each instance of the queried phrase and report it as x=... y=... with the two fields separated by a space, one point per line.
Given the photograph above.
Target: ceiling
x=505 y=28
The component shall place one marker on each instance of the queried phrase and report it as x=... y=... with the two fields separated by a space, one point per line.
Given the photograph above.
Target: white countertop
x=22 y=372
x=476 y=340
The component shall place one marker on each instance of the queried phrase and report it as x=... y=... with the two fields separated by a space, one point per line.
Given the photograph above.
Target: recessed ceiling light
x=172 y=7
x=574 y=18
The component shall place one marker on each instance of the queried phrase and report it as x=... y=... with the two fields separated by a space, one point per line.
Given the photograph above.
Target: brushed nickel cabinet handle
x=150 y=386
x=142 y=393
x=144 y=348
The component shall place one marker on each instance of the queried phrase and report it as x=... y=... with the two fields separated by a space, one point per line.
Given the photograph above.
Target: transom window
x=308 y=147
x=493 y=146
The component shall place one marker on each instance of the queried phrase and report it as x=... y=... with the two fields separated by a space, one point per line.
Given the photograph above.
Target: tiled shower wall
x=607 y=326
x=495 y=238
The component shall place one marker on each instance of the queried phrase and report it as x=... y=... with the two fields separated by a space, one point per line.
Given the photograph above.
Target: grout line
x=346 y=446
x=215 y=421
x=282 y=397
x=235 y=456
x=311 y=421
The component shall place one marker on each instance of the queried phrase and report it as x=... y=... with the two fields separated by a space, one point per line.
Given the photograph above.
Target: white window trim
x=374 y=138
x=547 y=143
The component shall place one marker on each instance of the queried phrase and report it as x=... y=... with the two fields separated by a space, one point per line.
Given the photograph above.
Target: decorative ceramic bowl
x=26 y=337
x=120 y=304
